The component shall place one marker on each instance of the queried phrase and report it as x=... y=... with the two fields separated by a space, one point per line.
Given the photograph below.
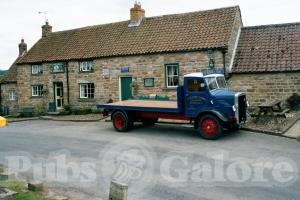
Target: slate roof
x=270 y=48
x=11 y=74
x=168 y=33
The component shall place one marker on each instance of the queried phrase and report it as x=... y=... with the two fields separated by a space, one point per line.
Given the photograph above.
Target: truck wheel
x=210 y=127
x=121 y=121
x=149 y=121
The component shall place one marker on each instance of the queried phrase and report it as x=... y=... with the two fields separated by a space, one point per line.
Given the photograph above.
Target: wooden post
x=118 y=191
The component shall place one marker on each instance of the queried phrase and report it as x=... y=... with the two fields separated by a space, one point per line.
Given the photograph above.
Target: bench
x=27 y=111
x=273 y=109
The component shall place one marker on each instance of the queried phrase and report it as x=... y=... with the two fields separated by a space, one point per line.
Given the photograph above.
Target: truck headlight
x=234 y=108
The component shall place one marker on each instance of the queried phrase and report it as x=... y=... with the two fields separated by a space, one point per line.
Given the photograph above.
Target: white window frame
x=86 y=66
x=36 y=69
x=86 y=93
x=168 y=76
x=12 y=95
x=36 y=90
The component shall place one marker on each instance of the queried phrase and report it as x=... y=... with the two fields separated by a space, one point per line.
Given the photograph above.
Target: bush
x=67 y=107
x=81 y=111
x=97 y=111
x=294 y=100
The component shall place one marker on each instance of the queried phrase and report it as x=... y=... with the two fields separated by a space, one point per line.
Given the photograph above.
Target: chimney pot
x=46 y=29
x=22 y=47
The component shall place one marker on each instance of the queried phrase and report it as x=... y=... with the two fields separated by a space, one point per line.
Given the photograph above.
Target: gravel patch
x=268 y=124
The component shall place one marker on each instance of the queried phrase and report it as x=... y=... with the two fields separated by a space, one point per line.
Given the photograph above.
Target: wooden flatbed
x=143 y=105
x=146 y=103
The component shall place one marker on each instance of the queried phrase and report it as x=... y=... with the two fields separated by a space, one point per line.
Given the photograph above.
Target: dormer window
x=36 y=69
x=86 y=66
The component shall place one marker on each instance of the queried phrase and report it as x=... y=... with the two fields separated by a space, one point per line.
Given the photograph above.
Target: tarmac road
x=159 y=162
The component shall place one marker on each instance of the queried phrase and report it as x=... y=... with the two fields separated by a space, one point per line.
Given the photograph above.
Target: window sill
x=86 y=100
x=86 y=72
x=170 y=88
x=36 y=97
x=37 y=74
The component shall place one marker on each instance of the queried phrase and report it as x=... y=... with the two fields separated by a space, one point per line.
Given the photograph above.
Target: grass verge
x=21 y=188
x=298 y=139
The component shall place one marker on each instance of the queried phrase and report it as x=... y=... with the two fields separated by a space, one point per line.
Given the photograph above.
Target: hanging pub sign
x=57 y=67
x=124 y=69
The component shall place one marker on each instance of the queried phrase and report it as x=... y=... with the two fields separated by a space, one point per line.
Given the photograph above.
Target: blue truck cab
x=203 y=100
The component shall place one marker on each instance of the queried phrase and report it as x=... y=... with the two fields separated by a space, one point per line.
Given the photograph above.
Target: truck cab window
x=212 y=83
x=196 y=85
x=221 y=82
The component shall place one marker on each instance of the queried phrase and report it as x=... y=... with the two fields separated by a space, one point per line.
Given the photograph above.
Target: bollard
x=3 y=122
x=118 y=191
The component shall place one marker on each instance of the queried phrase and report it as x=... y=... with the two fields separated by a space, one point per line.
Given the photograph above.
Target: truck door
x=197 y=97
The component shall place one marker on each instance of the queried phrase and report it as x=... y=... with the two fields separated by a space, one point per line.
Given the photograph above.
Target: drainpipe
x=224 y=51
x=68 y=85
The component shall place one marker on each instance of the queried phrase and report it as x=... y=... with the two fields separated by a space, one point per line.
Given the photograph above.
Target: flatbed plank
x=146 y=104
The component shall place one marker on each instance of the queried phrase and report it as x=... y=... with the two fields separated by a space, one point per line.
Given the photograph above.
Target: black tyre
x=121 y=121
x=210 y=127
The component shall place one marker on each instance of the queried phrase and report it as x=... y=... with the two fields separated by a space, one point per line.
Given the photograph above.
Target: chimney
x=46 y=29
x=136 y=13
x=22 y=48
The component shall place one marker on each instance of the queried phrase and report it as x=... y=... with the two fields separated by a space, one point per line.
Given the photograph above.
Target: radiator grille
x=242 y=103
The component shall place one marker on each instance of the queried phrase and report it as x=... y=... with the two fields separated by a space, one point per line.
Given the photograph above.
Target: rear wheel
x=210 y=127
x=121 y=121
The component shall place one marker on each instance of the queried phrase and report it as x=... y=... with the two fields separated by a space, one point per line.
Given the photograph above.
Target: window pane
x=196 y=85
x=172 y=75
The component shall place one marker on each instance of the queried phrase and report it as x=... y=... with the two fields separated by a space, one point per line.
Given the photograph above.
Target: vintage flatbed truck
x=204 y=100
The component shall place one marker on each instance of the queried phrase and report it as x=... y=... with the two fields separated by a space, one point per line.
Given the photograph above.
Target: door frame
x=120 y=85
x=54 y=94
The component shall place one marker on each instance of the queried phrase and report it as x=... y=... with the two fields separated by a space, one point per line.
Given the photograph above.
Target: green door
x=126 y=89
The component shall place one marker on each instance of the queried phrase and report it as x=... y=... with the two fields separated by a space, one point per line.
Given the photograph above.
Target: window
x=36 y=69
x=221 y=82
x=12 y=95
x=172 y=75
x=87 y=91
x=86 y=66
x=212 y=83
x=196 y=85
x=37 y=90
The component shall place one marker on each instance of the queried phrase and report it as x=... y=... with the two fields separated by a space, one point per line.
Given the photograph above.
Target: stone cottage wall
x=5 y=91
x=106 y=87
x=140 y=67
x=26 y=80
x=266 y=86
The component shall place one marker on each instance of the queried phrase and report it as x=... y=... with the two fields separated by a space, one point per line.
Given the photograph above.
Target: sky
x=21 y=19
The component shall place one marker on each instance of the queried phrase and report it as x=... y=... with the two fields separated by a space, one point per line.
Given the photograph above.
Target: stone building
x=8 y=84
x=267 y=62
x=137 y=57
